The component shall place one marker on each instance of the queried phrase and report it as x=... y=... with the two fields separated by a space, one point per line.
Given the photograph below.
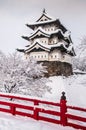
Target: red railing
x=39 y=111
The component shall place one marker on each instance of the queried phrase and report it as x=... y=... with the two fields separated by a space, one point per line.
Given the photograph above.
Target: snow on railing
x=58 y=113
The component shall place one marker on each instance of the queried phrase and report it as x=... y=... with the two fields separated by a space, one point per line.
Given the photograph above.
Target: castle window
x=35 y=56
x=45 y=56
x=63 y=56
x=38 y=56
x=53 y=41
x=42 y=56
x=41 y=20
x=45 y=19
x=51 y=56
x=55 y=56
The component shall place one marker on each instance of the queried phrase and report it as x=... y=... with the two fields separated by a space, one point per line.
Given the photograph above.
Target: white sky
x=14 y=14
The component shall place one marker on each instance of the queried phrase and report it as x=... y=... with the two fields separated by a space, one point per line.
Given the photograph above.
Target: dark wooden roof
x=62 y=27
x=21 y=50
x=25 y=37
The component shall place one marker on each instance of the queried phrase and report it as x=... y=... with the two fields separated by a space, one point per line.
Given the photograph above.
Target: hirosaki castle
x=51 y=44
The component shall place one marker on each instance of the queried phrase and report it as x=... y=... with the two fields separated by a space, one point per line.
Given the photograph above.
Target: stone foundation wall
x=55 y=68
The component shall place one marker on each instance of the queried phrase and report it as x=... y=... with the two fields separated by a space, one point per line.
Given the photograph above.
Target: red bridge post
x=63 y=109
x=36 y=113
x=13 y=109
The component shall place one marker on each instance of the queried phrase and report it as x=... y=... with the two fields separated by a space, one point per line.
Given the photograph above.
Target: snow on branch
x=22 y=76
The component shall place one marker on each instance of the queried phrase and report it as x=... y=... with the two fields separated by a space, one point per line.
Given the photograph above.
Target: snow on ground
x=74 y=87
x=9 y=122
x=76 y=90
x=57 y=85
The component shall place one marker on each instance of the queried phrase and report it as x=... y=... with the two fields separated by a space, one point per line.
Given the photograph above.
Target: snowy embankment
x=74 y=87
x=9 y=122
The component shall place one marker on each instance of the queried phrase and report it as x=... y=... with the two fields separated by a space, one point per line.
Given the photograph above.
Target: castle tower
x=51 y=44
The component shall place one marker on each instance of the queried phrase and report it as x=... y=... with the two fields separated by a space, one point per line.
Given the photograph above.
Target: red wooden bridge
x=59 y=113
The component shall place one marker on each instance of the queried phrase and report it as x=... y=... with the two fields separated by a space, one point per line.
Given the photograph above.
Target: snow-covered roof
x=41 y=31
x=44 y=14
x=37 y=44
x=45 y=19
x=32 y=25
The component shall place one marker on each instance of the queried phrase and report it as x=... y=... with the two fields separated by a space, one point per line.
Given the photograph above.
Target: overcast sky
x=14 y=14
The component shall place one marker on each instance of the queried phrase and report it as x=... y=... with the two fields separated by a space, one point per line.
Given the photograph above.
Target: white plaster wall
x=53 y=40
x=49 y=28
x=67 y=58
x=47 y=41
x=44 y=40
x=55 y=56
x=58 y=56
x=39 y=56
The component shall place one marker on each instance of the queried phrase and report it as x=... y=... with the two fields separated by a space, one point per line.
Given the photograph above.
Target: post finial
x=44 y=11
x=63 y=97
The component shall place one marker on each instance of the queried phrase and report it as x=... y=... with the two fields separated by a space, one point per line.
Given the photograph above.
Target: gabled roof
x=44 y=15
x=37 y=44
x=39 y=32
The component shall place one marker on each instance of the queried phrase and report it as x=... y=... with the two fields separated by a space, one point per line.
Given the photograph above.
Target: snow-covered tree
x=22 y=76
x=79 y=61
